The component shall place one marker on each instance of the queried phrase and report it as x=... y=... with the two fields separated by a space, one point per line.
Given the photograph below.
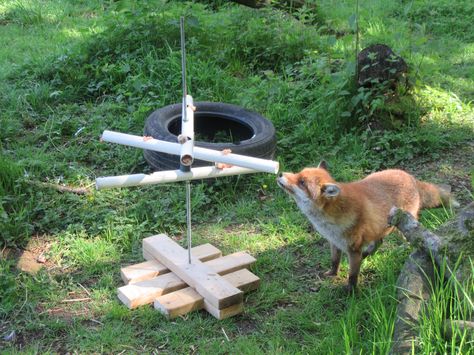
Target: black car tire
x=250 y=133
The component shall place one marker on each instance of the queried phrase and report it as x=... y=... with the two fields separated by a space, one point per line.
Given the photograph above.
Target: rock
x=377 y=64
x=10 y=337
x=461 y=325
x=41 y=258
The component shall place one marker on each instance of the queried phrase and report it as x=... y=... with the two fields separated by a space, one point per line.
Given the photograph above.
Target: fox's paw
x=330 y=273
x=350 y=289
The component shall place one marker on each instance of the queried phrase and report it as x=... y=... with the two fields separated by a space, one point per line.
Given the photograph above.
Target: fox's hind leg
x=371 y=248
x=335 y=261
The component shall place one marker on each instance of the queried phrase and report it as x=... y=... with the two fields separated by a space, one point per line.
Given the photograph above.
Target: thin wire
x=188 y=218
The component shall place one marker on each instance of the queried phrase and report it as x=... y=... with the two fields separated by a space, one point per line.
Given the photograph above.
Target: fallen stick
x=416 y=234
x=76 y=300
x=62 y=188
x=452 y=244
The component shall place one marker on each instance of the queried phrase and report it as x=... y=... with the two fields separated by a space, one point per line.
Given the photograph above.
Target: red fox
x=353 y=216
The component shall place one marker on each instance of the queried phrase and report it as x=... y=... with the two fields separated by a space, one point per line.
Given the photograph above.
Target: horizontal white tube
x=187 y=132
x=267 y=166
x=161 y=177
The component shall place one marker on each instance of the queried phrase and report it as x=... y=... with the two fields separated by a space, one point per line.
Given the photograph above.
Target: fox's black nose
x=280 y=175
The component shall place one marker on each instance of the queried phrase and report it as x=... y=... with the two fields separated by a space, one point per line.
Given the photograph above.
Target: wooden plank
x=225 y=312
x=180 y=302
x=213 y=287
x=144 y=292
x=203 y=252
x=231 y=262
x=152 y=268
x=144 y=271
x=148 y=256
x=187 y=299
x=244 y=280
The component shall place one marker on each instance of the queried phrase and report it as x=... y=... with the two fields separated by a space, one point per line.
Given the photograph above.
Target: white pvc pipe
x=267 y=166
x=161 y=177
x=187 y=132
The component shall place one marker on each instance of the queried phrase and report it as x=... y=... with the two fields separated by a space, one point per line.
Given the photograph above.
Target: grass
x=451 y=300
x=70 y=69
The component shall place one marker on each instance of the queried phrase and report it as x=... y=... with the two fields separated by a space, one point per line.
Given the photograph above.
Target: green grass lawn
x=70 y=69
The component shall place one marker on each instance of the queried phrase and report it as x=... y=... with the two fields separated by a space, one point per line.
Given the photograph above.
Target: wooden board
x=218 y=292
x=225 y=312
x=203 y=252
x=144 y=292
x=152 y=268
x=244 y=280
x=144 y=271
x=231 y=262
x=187 y=299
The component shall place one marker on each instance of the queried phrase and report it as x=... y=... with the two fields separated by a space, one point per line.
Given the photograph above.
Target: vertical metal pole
x=184 y=118
x=183 y=67
x=188 y=218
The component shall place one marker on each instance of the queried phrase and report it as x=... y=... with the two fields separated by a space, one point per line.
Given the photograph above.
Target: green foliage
x=385 y=105
x=24 y=14
x=138 y=60
x=15 y=212
x=451 y=300
x=8 y=287
x=445 y=17
x=10 y=173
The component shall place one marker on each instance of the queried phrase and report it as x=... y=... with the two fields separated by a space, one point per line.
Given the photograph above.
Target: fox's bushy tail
x=434 y=195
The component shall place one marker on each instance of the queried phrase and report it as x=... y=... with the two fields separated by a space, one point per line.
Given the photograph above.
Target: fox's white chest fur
x=332 y=232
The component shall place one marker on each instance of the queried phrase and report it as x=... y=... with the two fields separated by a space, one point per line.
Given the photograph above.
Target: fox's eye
x=301 y=182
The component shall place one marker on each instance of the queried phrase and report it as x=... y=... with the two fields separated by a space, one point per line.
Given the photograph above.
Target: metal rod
x=188 y=148
x=183 y=67
x=188 y=219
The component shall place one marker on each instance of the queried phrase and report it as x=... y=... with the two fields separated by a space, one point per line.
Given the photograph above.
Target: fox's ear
x=323 y=165
x=330 y=190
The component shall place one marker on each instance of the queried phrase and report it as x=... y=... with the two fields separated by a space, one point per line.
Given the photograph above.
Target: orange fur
x=353 y=215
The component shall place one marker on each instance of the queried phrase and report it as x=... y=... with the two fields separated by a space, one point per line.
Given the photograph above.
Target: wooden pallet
x=212 y=282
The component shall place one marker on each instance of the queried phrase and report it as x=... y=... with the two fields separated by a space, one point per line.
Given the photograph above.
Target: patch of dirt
x=454 y=168
x=246 y=325
x=34 y=256
x=27 y=262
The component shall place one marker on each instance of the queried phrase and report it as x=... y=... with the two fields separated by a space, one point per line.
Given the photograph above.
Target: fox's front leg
x=335 y=261
x=355 y=258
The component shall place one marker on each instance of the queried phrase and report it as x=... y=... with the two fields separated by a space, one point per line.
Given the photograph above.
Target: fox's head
x=311 y=185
